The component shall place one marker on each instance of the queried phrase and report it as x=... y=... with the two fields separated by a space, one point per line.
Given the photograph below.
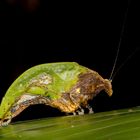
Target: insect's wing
x=50 y=80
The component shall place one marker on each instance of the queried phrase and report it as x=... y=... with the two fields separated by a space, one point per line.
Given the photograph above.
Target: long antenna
x=118 y=50
x=130 y=56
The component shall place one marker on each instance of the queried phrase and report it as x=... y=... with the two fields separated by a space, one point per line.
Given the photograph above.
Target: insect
x=67 y=86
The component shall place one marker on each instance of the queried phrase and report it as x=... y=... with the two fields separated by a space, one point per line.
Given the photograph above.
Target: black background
x=81 y=31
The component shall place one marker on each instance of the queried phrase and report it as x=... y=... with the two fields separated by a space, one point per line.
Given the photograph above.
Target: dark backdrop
x=86 y=32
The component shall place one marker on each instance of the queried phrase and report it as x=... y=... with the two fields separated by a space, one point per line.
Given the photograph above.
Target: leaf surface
x=112 y=125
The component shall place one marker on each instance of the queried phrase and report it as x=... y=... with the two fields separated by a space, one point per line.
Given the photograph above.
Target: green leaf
x=113 y=125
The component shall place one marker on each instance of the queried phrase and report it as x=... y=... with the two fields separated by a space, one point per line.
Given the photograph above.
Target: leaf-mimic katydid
x=66 y=86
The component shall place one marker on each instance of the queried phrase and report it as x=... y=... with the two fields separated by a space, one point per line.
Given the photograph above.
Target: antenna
x=121 y=35
x=124 y=62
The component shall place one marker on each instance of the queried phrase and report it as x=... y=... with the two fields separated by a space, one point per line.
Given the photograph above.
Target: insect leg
x=90 y=109
x=80 y=111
